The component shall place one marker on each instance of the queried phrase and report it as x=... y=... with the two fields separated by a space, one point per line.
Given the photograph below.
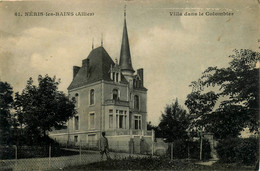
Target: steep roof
x=125 y=55
x=99 y=66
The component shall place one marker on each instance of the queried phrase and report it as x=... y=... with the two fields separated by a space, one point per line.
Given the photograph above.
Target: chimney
x=140 y=72
x=75 y=71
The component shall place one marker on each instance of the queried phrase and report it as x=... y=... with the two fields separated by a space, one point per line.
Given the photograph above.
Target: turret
x=125 y=62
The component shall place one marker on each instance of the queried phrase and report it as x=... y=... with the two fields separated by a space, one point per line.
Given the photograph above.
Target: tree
x=239 y=84
x=6 y=101
x=42 y=108
x=174 y=123
x=200 y=106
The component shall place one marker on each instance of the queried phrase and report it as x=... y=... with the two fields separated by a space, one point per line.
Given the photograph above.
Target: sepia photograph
x=129 y=85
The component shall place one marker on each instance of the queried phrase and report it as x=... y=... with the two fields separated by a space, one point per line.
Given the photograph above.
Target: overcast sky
x=173 y=50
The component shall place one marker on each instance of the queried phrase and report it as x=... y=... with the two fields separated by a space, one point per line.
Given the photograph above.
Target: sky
x=172 y=50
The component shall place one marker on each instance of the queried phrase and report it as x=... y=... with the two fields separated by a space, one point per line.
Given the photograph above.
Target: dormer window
x=116 y=77
x=115 y=73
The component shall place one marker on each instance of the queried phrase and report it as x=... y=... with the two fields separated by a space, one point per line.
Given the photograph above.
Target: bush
x=238 y=150
x=7 y=152
x=180 y=149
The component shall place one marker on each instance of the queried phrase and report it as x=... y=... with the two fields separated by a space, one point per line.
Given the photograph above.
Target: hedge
x=238 y=150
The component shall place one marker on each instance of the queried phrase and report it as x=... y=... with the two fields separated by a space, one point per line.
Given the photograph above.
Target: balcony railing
x=116 y=102
x=128 y=132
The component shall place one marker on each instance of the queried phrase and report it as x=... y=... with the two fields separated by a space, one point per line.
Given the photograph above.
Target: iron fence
x=54 y=157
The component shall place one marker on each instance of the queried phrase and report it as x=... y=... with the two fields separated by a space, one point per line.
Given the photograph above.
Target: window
x=92 y=96
x=76 y=139
x=115 y=94
x=76 y=123
x=121 y=119
x=111 y=118
x=76 y=100
x=116 y=118
x=125 y=119
x=130 y=119
x=116 y=77
x=138 y=121
x=136 y=102
x=92 y=120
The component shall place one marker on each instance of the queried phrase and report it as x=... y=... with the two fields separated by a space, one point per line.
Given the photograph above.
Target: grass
x=155 y=164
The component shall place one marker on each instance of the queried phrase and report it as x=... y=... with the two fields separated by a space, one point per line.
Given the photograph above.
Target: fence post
x=49 y=156
x=188 y=150
x=15 y=149
x=80 y=151
x=133 y=146
x=172 y=151
x=152 y=142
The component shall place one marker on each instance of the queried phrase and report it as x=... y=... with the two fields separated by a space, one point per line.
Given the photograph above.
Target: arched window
x=92 y=95
x=136 y=102
x=115 y=94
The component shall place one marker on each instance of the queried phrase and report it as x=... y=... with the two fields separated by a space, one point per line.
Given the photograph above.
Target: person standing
x=104 y=146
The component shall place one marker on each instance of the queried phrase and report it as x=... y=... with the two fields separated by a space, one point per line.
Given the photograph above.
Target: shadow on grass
x=149 y=163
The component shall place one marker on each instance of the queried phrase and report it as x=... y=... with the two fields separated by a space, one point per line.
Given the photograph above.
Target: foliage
x=200 y=105
x=239 y=81
x=195 y=150
x=224 y=122
x=6 y=101
x=238 y=150
x=238 y=84
x=42 y=108
x=181 y=148
x=174 y=123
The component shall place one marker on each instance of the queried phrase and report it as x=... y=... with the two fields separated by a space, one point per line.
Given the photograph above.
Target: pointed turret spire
x=125 y=56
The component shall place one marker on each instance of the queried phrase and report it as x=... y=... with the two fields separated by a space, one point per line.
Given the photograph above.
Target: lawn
x=155 y=164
